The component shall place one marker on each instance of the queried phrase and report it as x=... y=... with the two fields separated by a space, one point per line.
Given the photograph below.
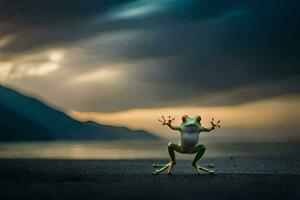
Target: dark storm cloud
x=37 y=24
x=261 y=43
x=200 y=47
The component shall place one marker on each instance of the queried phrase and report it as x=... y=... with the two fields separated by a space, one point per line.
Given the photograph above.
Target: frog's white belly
x=189 y=140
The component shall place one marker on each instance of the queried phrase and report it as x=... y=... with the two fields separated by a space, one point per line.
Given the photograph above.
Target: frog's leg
x=171 y=149
x=200 y=149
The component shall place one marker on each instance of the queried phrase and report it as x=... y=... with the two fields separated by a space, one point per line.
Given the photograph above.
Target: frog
x=189 y=129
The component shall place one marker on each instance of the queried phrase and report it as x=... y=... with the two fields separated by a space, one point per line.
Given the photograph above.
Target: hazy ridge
x=24 y=118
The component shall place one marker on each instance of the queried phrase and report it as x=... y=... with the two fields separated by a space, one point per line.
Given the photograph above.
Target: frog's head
x=190 y=122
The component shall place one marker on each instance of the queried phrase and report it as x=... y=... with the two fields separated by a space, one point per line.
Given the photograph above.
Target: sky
x=139 y=59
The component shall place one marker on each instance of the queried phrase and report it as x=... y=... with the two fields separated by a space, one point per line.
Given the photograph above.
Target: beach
x=235 y=178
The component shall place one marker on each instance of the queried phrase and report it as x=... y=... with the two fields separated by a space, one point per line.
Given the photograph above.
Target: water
x=135 y=150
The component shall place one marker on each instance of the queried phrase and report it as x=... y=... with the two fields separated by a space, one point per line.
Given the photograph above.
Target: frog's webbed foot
x=200 y=168
x=159 y=165
x=168 y=166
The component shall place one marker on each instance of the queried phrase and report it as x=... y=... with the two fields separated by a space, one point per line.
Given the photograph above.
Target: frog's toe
x=168 y=166
x=200 y=168
x=197 y=168
x=159 y=165
x=211 y=172
x=162 y=169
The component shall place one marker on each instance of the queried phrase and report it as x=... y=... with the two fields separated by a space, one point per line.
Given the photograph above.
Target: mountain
x=16 y=127
x=24 y=118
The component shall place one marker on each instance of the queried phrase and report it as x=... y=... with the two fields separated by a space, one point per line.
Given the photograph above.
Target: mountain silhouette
x=24 y=118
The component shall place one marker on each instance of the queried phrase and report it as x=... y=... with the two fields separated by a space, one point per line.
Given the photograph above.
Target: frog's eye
x=184 y=118
x=198 y=118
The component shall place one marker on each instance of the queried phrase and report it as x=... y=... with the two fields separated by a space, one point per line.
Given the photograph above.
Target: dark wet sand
x=236 y=178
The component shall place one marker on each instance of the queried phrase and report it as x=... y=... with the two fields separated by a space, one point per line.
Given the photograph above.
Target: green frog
x=189 y=129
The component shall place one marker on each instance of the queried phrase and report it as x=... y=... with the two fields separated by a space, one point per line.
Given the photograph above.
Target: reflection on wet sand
x=134 y=150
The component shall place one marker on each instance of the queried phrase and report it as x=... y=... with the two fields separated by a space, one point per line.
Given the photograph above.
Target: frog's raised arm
x=203 y=129
x=177 y=128
x=213 y=126
x=169 y=123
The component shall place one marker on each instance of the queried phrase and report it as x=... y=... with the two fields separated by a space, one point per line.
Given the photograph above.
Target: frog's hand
x=215 y=124
x=165 y=121
x=168 y=122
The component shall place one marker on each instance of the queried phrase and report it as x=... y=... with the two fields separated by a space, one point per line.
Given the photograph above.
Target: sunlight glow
x=276 y=112
x=34 y=64
x=104 y=74
x=56 y=56
x=5 y=70
x=6 y=40
x=43 y=69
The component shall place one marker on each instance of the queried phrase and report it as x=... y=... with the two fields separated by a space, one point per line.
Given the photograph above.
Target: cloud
x=59 y=23
x=31 y=65
x=138 y=9
x=5 y=40
x=103 y=75
x=5 y=70
x=152 y=53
